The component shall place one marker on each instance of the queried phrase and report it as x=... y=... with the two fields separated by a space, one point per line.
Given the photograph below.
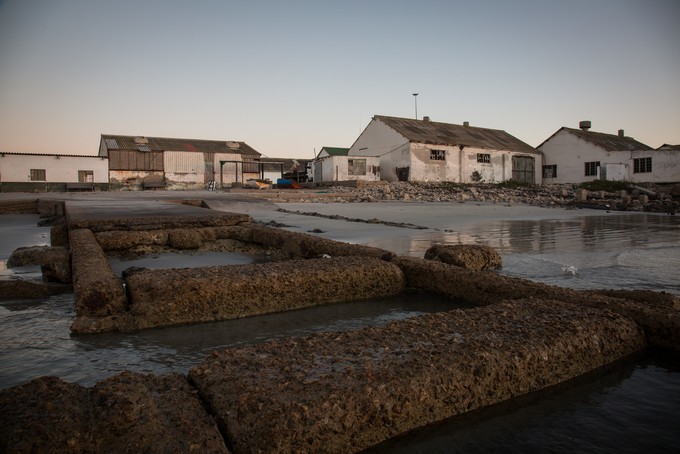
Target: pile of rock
x=556 y=195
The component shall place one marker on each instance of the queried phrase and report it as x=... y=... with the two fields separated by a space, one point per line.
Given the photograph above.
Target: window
x=642 y=165
x=550 y=171
x=437 y=155
x=85 y=176
x=484 y=157
x=356 y=166
x=38 y=175
x=591 y=168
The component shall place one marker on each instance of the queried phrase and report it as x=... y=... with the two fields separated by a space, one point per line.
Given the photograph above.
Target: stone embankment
x=564 y=195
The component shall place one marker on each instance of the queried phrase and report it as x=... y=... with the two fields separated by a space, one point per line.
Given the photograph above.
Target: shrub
x=604 y=185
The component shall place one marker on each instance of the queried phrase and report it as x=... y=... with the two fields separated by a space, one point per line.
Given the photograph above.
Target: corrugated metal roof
x=608 y=142
x=667 y=146
x=289 y=164
x=435 y=133
x=172 y=144
x=335 y=151
x=14 y=153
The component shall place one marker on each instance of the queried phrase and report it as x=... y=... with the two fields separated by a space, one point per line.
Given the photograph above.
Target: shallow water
x=631 y=408
x=612 y=250
x=36 y=340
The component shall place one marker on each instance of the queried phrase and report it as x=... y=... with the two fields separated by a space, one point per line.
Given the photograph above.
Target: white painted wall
x=381 y=141
x=335 y=168
x=665 y=167
x=16 y=168
x=570 y=153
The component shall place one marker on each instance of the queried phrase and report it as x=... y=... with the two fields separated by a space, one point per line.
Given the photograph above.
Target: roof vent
x=234 y=145
x=139 y=140
x=426 y=118
x=466 y=123
x=621 y=133
x=585 y=125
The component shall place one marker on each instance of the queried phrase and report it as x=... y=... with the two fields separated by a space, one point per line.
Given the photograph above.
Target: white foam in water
x=568 y=269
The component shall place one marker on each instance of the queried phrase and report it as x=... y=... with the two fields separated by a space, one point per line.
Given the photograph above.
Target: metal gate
x=523 y=169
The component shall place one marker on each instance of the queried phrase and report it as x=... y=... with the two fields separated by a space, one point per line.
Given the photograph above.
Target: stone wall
x=330 y=392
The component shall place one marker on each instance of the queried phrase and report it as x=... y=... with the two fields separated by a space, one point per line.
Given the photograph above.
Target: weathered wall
x=179 y=296
x=16 y=168
x=344 y=392
x=336 y=168
x=570 y=153
x=665 y=167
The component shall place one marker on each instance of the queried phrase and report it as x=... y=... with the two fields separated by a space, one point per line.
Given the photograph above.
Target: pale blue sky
x=288 y=77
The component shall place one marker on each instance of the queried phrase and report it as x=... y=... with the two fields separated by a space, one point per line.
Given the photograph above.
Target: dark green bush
x=604 y=185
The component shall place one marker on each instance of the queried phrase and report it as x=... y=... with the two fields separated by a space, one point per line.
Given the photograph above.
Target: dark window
x=38 y=175
x=550 y=171
x=591 y=168
x=85 y=176
x=356 y=166
x=437 y=155
x=483 y=157
x=642 y=165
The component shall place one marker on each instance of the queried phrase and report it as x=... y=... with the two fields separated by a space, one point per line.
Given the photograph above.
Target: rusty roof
x=608 y=142
x=142 y=143
x=435 y=133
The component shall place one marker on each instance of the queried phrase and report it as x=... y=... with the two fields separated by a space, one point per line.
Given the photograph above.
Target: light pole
x=415 y=100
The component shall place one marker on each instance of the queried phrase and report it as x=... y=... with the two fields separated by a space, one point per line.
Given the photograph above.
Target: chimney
x=466 y=123
x=621 y=133
x=426 y=118
x=584 y=125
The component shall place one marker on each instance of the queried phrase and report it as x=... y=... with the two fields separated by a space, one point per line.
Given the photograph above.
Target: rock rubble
x=558 y=195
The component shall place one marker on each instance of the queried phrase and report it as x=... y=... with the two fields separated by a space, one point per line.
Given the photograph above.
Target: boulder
x=472 y=257
x=55 y=262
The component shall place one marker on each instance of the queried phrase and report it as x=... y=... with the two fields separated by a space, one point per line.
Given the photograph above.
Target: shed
x=177 y=163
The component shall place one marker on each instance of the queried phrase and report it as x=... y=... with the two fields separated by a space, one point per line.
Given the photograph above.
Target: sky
x=290 y=77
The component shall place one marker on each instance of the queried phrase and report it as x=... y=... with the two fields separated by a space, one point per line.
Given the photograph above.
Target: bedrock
x=344 y=392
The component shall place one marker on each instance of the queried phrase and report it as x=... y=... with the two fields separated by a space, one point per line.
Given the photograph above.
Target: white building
x=580 y=155
x=334 y=164
x=424 y=150
x=28 y=172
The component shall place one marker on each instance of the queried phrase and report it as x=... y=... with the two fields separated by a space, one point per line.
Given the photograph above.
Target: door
x=523 y=169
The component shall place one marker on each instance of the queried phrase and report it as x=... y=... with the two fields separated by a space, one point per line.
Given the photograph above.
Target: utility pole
x=415 y=99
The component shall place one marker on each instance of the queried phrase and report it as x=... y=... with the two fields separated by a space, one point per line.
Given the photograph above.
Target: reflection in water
x=622 y=250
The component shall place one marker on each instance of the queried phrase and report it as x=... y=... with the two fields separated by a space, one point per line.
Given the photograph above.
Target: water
x=630 y=408
x=613 y=250
x=36 y=339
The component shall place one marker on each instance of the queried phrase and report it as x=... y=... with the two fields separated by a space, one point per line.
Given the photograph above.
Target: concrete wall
x=16 y=168
x=570 y=153
x=665 y=167
x=336 y=168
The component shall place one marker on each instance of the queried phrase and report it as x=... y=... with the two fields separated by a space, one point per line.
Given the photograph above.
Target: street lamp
x=415 y=99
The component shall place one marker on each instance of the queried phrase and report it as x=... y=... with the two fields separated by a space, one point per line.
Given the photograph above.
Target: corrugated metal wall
x=135 y=160
x=183 y=162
